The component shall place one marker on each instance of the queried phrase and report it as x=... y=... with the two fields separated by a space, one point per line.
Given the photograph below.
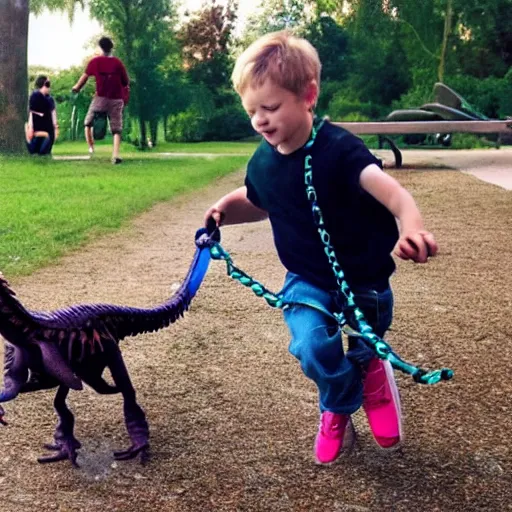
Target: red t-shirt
x=111 y=76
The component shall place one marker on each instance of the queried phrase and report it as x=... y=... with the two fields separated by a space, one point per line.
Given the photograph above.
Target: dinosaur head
x=207 y=237
x=13 y=315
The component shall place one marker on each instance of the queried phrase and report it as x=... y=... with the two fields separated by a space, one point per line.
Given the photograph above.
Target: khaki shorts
x=113 y=108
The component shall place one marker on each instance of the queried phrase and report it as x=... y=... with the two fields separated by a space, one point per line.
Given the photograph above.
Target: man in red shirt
x=112 y=90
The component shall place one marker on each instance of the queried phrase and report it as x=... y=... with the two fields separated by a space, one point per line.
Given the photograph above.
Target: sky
x=54 y=43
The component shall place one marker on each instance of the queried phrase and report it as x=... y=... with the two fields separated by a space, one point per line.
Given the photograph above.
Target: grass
x=51 y=207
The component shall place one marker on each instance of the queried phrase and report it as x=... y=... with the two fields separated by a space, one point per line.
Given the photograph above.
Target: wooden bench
x=385 y=128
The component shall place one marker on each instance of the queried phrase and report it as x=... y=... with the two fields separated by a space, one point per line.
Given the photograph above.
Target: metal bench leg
x=396 y=152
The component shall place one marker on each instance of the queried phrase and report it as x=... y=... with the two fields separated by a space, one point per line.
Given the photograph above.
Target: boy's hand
x=215 y=214
x=417 y=246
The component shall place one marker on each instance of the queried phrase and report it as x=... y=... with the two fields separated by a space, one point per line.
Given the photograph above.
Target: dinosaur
x=71 y=346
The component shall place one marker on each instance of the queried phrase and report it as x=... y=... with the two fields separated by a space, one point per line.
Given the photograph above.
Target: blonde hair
x=288 y=61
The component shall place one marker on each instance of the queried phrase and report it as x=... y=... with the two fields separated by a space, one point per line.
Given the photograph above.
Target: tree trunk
x=143 y=134
x=13 y=74
x=153 y=131
x=446 y=35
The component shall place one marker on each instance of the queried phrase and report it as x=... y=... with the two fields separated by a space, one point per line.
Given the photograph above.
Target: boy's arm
x=235 y=208
x=125 y=80
x=29 y=128
x=30 y=124
x=415 y=242
x=80 y=83
x=55 y=123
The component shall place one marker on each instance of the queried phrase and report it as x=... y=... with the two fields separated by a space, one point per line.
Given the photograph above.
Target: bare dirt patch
x=232 y=418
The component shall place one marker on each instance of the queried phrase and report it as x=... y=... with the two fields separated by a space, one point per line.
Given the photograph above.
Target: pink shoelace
x=332 y=425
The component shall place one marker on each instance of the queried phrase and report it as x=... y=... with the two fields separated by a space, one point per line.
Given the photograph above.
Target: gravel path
x=233 y=419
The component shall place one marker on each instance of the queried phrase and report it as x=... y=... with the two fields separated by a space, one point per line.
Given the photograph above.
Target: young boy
x=112 y=90
x=278 y=78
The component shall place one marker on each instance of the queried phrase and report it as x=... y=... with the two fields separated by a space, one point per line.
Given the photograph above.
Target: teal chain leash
x=218 y=253
x=351 y=318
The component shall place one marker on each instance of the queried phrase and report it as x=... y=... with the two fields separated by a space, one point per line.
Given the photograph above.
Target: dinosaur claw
x=132 y=452
x=53 y=447
x=66 y=450
x=144 y=456
x=62 y=455
x=72 y=444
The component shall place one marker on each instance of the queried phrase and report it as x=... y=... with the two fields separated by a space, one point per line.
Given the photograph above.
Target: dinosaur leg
x=135 y=418
x=100 y=385
x=66 y=445
x=57 y=367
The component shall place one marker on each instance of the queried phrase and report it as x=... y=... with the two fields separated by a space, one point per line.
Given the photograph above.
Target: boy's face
x=282 y=117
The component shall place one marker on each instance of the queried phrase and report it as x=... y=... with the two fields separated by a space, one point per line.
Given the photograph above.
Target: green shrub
x=492 y=95
x=342 y=108
x=414 y=98
x=420 y=93
x=470 y=141
x=186 y=127
x=328 y=90
x=229 y=123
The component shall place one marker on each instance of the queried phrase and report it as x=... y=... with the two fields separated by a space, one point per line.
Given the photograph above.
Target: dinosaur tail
x=133 y=321
x=82 y=329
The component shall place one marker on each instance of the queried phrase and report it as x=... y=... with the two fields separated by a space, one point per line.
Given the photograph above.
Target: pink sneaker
x=381 y=403
x=333 y=435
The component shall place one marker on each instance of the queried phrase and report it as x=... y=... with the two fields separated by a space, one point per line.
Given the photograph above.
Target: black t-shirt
x=41 y=104
x=363 y=231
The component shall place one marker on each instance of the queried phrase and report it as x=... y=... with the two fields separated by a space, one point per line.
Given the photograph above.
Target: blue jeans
x=316 y=340
x=40 y=145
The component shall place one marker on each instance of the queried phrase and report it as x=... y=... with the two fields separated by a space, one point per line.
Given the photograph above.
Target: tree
x=428 y=27
x=278 y=15
x=205 y=38
x=331 y=42
x=14 y=16
x=36 y=6
x=485 y=45
x=213 y=110
x=13 y=72
x=380 y=70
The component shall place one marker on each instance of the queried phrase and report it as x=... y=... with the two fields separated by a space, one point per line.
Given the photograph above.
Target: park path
x=489 y=165
x=232 y=418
